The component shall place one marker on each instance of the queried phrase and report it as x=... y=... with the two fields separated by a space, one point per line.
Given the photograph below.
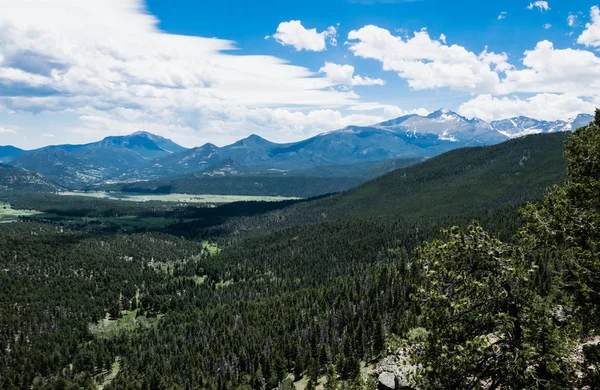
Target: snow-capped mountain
x=448 y=126
x=522 y=125
x=143 y=155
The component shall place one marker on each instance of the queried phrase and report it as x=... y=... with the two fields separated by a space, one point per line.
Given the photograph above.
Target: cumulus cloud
x=591 y=35
x=542 y=106
x=572 y=20
x=344 y=75
x=502 y=15
x=547 y=26
x=443 y=38
x=555 y=75
x=540 y=5
x=294 y=34
x=551 y=70
x=426 y=63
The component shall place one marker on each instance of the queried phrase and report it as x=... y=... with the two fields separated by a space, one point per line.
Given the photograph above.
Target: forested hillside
x=463 y=181
x=314 y=293
x=234 y=179
x=13 y=178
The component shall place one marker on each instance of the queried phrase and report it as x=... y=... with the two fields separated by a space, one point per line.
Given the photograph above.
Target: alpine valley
x=270 y=196
x=328 y=162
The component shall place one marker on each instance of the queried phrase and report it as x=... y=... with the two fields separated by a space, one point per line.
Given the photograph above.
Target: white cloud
x=542 y=106
x=389 y=110
x=572 y=20
x=545 y=70
x=547 y=26
x=344 y=75
x=591 y=35
x=48 y=135
x=427 y=63
x=108 y=63
x=230 y=124
x=294 y=34
x=541 y=5
x=502 y=15
x=395 y=112
x=554 y=71
x=7 y=131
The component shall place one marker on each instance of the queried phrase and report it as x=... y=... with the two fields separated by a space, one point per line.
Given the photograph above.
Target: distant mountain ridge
x=522 y=125
x=461 y=181
x=142 y=155
x=71 y=165
x=9 y=153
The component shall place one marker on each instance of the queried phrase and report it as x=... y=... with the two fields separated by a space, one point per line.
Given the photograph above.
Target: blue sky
x=216 y=71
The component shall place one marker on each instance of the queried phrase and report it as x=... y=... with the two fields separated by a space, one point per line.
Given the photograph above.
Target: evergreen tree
x=331 y=380
x=487 y=326
x=568 y=221
x=378 y=342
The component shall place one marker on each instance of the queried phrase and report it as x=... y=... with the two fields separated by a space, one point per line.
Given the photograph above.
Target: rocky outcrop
x=393 y=373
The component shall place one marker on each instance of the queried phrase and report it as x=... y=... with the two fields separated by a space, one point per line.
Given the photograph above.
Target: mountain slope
x=448 y=126
x=522 y=125
x=74 y=165
x=12 y=178
x=229 y=177
x=9 y=153
x=351 y=145
x=147 y=145
x=462 y=181
x=410 y=136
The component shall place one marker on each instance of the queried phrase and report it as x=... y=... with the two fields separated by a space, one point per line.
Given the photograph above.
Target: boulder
x=392 y=373
x=386 y=381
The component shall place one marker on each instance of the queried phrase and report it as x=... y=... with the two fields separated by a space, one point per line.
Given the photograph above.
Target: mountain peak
x=252 y=139
x=208 y=146
x=443 y=112
x=584 y=116
x=255 y=138
x=143 y=133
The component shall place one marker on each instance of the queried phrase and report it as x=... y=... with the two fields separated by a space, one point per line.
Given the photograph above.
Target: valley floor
x=180 y=198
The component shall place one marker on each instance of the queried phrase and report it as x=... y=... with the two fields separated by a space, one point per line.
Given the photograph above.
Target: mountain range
x=143 y=156
x=467 y=181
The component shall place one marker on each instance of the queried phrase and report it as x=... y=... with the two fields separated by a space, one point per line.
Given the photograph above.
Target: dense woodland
x=259 y=295
x=273 y=182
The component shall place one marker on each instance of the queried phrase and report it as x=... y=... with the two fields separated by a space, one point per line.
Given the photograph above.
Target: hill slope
x=73 y=165
x=9 y=153
x=232 y=178
x=462 y=181
x=12 y=178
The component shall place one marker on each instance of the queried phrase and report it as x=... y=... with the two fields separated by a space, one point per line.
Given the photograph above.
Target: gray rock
x=387 y=381
x=392 y=373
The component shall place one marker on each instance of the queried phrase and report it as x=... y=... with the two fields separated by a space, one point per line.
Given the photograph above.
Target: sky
x=75 y=71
